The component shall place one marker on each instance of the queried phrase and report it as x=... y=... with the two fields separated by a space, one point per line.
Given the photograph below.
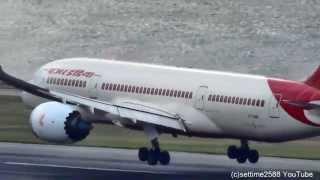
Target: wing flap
x=131 y=110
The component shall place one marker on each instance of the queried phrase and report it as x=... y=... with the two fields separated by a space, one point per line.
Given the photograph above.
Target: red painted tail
x=314 y=80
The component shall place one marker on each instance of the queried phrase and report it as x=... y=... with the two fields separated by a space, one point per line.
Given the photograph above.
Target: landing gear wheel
x=152 y=157
x=164 y=158
x=232 y=152
x=253 y=156
x=143 y=154
x=242 y=156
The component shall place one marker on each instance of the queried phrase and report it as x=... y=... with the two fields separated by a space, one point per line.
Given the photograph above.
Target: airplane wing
x=304 y=105
x=136 y=111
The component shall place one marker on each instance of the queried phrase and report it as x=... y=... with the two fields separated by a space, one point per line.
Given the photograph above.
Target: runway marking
x=85 y=168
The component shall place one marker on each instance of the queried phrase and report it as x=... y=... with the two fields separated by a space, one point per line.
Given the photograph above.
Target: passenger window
x=187 y=95
x=73 y=82
x=258 y=103
x=129 y=89
x=171 y=93
x=163 y=92
x=58 y=82
x=65 y=82
x=69 y=82
x=160 y=92
x=213 y=98
x=110 y=86
x=217 y=98
x=77 y=83
x=245 y=101
x=233 y=100
x=118 y=87
x=229 y=99
x=121 y=87
x=262 y=103
x=80 y=83
x=133 y=89
x=237 y=100
x=148 y=90
x=175 y=93
x=137 y=89
x=225 y=99
x=253 y=102
x=209 y=98
x=85 y=84
x=126 y=88
x=182 y=94
x=190 y=95
x=156 y=91
x=179 y=93
x=241 y=100
x=221 y=98
x=249 y=102
x=103 y=86
x=141 y=90
x=152 y=91
x=106 y=87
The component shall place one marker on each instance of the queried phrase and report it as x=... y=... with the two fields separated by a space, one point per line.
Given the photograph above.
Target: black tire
x=143 y=154
x=232 y=152
x=164 y=158
x=253 y=156
x=152 y=157
x=242 y=156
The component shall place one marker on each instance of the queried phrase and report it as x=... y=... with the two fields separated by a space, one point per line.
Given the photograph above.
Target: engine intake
x=76 y=128
x=59 y=123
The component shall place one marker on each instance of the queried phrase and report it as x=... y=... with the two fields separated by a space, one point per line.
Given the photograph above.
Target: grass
x=14 y=127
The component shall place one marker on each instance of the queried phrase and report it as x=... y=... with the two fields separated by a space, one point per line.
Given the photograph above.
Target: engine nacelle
x=59 y=123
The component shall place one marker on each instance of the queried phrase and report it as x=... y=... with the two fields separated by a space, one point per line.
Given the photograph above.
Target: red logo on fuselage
x=71 y=72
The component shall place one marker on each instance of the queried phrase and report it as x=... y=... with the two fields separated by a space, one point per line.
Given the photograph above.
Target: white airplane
x=70 y=95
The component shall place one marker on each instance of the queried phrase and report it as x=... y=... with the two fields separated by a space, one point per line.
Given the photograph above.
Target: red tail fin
x=314 y=80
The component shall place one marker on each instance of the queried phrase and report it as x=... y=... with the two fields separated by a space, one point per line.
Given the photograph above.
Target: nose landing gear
x=243 y=153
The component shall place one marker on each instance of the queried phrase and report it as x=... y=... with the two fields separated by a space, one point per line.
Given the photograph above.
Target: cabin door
x=93 y=86
x=274 y=106
x=201 y=97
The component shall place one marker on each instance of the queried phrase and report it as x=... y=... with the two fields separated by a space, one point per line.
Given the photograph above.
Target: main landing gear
x=243 y=153
x=154 y=154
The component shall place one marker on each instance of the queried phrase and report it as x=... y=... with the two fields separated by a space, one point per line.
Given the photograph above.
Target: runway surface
x=25 y=161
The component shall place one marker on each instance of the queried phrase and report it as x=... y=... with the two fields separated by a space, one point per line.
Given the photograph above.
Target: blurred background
x=268 y=37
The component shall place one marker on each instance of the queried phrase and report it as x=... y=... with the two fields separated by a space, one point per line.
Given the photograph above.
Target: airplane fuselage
x=213 y=104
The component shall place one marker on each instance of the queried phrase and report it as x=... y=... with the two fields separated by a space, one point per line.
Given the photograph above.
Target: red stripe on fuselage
x=294 y=91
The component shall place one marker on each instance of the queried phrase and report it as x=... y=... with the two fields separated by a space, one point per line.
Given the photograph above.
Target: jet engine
x=59 y=123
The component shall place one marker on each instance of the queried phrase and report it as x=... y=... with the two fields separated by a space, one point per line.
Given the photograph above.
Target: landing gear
x=243 y=153
x=154 y=154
